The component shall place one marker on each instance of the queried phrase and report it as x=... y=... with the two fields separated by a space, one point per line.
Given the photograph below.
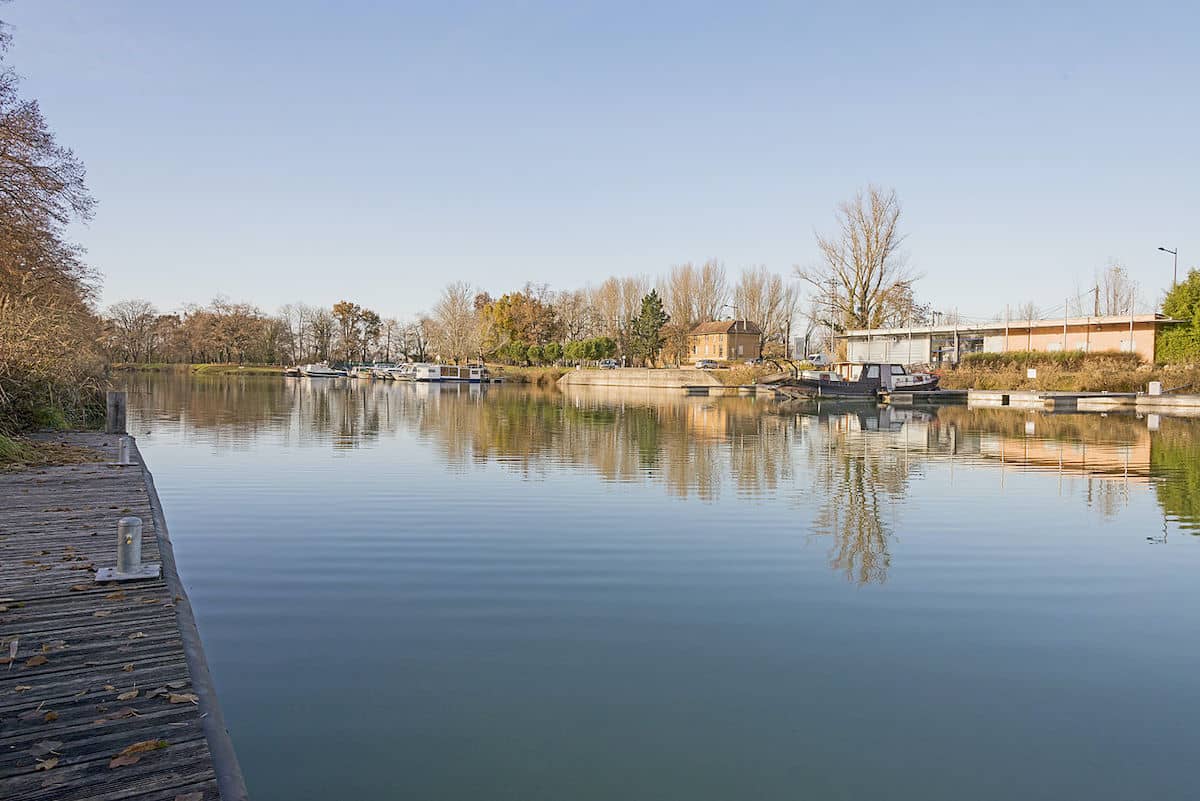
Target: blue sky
x=312 y=151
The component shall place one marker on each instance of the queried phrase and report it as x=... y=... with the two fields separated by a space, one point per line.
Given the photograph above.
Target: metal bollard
x=129 y=545
x=123 y=451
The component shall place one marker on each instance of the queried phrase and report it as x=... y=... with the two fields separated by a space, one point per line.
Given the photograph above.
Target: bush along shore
x=1067 y=372
x=200 y=369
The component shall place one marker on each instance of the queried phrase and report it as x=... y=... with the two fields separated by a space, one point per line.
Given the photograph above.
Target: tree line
x=51 y=368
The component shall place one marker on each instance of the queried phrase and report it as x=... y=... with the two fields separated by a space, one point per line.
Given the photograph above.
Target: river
x=413 y=591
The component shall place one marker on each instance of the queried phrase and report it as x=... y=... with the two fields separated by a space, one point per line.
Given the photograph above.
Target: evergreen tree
x=1181 y=343
x=647 y=339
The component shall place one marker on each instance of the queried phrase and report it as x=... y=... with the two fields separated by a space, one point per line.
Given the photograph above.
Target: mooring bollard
x=129 y=544
x=123 y=451
x=129 y=555
x=114 y=413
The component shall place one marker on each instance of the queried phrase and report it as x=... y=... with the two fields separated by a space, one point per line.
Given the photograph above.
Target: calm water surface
x=442 y=593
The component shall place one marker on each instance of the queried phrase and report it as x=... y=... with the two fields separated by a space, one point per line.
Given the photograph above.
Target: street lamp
x=1175 y=253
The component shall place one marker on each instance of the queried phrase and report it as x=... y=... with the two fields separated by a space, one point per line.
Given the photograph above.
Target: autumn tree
x=862 y=275
x=50 y=360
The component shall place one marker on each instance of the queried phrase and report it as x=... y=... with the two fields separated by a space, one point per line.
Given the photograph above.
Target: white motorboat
x=321 y=370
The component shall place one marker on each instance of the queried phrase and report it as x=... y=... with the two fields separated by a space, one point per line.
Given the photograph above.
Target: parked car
x=818 y=360
x=706 y=364
x=608 y=364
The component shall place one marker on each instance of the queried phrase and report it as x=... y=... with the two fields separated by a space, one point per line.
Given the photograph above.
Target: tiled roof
x=727 y=326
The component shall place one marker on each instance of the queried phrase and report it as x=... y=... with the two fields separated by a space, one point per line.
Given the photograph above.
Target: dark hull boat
x=864 y=381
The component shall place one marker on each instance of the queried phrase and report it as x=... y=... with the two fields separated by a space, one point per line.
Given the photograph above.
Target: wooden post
x=114 y=413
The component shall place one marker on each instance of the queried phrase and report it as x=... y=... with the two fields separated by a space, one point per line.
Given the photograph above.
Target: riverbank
x=109 y=689
x=200 y=369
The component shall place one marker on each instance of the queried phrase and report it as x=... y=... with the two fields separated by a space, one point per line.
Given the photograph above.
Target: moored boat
x=857 y=380
x=472 y=373
x=321 y=370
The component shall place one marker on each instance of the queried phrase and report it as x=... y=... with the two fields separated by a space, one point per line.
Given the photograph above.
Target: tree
x=764 y=298
x=862 y=276
x=456 y=329
x=1181 y=343
x=50 y=360
x=131 y=326
x=553 y=352
x=693 y=295
x=523 y=316
x=646 y=338
x=1117 y=291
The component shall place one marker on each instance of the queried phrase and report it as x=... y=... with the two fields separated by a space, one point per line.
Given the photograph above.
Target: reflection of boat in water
x=321 y=370
x=473 y=373
x=854 y=380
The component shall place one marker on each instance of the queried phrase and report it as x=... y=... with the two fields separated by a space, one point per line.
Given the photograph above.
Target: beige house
x=725 y=340
x=946 y=344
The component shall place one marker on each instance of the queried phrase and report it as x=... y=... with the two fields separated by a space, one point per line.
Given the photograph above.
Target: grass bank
x=19 y=453
x=1066 y=372
x=201 y=369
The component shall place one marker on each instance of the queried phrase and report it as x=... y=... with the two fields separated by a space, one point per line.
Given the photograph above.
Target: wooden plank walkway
x=99 y=668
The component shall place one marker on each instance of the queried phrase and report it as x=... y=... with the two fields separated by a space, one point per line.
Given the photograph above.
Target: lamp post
x=1175 y=274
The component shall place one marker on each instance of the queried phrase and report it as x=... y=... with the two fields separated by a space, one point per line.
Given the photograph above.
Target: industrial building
x=947 y=343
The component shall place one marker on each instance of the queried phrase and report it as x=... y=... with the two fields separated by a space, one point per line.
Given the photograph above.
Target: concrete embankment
x=640 y=378
x=1087 y=401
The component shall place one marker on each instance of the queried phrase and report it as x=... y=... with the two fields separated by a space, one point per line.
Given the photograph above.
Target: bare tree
x=763 y=297
x=1116 y=290
x=862 y=275
x=130 y=325
x=456 y=329
x=692 y=295
x=1027 y=311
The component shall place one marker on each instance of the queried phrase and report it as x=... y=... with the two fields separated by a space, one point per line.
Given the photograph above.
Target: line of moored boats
x=411 y=371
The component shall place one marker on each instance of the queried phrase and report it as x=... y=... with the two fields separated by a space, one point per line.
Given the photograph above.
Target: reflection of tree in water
x=856 y=474
x=1175 y=462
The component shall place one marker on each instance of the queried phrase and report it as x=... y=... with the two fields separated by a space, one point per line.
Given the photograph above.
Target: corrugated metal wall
x=892 y=349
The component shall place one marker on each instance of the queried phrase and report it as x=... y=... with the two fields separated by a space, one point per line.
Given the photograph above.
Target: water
x=441 y=593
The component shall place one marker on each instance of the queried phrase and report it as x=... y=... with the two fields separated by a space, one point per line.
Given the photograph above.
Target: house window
x=873 y=371
x=739 y=350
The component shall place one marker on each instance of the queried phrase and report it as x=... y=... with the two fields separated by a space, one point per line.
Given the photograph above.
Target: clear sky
x=279 y=151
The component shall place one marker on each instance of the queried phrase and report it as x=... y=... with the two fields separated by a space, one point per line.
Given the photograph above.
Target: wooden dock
x=109 y=696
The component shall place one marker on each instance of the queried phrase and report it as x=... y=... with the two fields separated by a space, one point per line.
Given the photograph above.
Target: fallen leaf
x=47 y=764
x=125 y=696
x=80 y=587
x=157 y=692
x=102 y=613
x=131 y=754
x=51 y=716
x=137 y=635
x=177 y=685
x=119 y=595
x=35 y=660
x=3 y=609
x=40 y=750
x=149 y=600
x=125 y=712
x=23 y=687
x=109 y=687
x=183 y=698
x=127 y=668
